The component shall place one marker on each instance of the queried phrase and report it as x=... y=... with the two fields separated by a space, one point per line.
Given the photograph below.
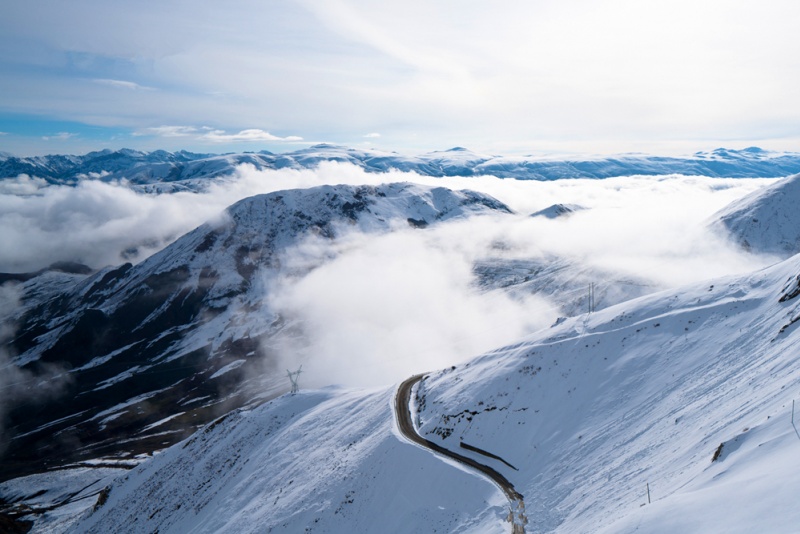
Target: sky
x=507 y=77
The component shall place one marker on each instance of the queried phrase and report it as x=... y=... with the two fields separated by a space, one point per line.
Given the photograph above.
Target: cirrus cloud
x=123 y=84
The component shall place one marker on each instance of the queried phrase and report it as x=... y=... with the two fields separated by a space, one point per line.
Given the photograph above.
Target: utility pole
x=293 y=377
x=591 y=297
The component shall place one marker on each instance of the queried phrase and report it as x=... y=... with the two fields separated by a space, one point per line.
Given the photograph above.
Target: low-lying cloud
x=374 y=308
x=19 y=386
x=380 y=307
x=97 y=222
x=390 y=305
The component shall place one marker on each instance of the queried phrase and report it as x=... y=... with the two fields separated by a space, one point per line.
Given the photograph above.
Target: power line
x=294 y=377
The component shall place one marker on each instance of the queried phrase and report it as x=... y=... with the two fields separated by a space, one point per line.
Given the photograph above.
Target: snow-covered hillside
x=643 y=393
x=687 y=392
x=147 y=353
x=766 y=221
x=322 y=461
x=564 y=282
x=162 y=171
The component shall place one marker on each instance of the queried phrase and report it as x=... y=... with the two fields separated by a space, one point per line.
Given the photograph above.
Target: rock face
x=137 y=357
x=767 y=221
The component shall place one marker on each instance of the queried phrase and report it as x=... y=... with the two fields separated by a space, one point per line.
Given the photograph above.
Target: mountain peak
x=765 y=221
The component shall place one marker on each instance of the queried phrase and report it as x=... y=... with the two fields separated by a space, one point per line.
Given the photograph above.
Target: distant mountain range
x=188 y=168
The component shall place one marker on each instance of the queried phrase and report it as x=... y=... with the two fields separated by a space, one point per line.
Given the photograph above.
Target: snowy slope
x=564 y=282
x=324 y=461
x=140 y=356
x=54 y=500
x=643 y=393
x=162 y=171
x=766 y=221
x=589 y=412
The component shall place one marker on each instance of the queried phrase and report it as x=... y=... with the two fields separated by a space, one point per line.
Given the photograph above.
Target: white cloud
x=388 y=306
x=384 y=305
x=630 y=218
x=170 y=131
x=122 y=84
x=21 y=185
x=373 y=135
x=61 y=136
x=424 y=73
x=3 y=133
x=205 y=133
x=251 y=135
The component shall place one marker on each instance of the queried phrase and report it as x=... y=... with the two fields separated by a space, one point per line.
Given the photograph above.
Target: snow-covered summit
x=255 y=229
x=766 y=221
x=558 y=210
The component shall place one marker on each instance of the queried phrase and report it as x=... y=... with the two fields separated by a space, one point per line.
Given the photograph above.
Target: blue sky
x=514 y=76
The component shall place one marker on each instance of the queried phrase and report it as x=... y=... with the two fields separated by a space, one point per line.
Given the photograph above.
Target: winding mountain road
x=406 y=425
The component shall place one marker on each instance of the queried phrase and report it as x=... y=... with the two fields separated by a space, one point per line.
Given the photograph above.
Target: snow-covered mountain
x=558 y=210
x=767 y=221
x=162 y=170
x=143 y=355
x=125 y=162
x=669 y=413
x=582 y=417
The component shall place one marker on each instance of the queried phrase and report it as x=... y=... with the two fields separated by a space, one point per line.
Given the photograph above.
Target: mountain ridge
x=162 y=167
x=183 y=330
x=766 y=221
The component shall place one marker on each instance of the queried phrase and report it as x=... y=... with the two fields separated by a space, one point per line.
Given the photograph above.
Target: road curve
x=405 y=424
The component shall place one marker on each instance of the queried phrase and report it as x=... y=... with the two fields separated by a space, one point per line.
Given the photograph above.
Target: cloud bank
x=627 y=218
x=391 y=305
x=374 y=308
